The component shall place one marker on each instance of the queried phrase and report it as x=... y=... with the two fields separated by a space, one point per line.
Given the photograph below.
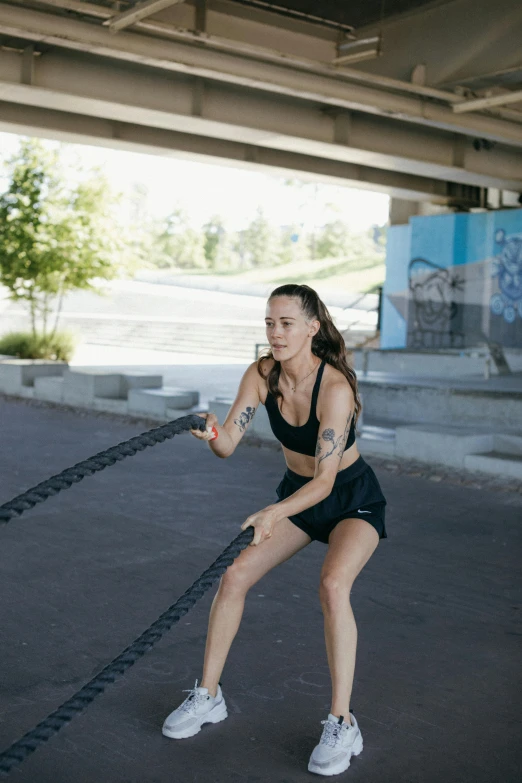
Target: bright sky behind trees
x=204 y=189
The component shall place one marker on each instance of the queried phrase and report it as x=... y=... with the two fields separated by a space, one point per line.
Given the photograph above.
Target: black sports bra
x=302 y=439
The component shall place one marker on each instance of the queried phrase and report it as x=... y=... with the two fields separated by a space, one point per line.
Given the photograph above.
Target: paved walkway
x=84 y=573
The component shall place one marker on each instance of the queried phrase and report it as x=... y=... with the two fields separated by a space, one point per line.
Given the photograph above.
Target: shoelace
x=194 y=699
x=332 y=732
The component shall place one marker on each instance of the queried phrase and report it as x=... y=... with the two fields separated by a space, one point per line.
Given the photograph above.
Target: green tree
x=333 y=240
x=54 y=238
x=293 y=245
x=213 y=233
x=260 y=244
x=177 y=244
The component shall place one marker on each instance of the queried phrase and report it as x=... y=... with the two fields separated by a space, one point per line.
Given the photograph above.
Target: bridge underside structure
x=434 y=116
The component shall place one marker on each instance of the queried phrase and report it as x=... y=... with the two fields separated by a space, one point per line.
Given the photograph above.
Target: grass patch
x=24 y=345
x=343 y=268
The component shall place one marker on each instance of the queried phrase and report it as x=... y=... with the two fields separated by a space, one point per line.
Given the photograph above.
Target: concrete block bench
x=167 y=402
x=435 y=443
x=375 y=440
x=84 y=387
x=17 y=376
x=504 y=459
x=500 y=464
x=49 y=389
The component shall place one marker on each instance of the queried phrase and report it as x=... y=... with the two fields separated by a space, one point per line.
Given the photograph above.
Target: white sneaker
x=338 y=743
x=198 y=708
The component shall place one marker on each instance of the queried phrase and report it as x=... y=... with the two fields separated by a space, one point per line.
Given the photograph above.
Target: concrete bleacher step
x=227 y=339
x=497 y=462
x=169 y=401
x=234 y=339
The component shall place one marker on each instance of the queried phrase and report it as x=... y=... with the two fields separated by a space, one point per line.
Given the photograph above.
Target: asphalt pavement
x=437 y=678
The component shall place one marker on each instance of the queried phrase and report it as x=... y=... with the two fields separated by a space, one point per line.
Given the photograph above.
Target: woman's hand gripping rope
x=263 y=523
x=211 y=432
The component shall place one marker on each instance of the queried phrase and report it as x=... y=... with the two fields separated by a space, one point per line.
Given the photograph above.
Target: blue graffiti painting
x=507 y=268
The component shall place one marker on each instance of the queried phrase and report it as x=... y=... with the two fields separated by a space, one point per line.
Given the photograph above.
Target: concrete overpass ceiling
x=339 y=14
x=264 y=85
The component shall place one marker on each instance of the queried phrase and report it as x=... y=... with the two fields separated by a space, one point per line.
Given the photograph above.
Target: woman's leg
x=227 y=608
x=350 y=546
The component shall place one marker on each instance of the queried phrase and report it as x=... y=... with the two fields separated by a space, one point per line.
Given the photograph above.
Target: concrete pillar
x=401 y=211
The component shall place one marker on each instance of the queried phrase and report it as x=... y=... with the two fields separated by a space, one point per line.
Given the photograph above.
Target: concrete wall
x=486 y=410
x=440 y=364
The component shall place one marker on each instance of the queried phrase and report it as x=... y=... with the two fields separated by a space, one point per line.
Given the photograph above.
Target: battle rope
x=56 y=720
x=103 y=459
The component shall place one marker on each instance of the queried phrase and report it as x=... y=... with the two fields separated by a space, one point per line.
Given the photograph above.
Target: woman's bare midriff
x=296 y=413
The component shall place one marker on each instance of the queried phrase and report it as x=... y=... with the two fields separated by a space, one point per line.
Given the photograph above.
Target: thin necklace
x=304 y=379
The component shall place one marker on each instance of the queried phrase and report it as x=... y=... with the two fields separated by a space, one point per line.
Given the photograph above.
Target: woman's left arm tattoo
x=338 y=442
x=329 y=435
x=245 y=418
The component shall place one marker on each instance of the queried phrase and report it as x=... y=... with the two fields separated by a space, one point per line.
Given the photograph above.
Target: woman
x=328 y=493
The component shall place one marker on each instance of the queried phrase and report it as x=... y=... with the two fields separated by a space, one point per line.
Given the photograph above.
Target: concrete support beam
x=27 y=74
x=201 y=16
x=79 y=128
x=82 y=85
x=514 y=96
x=138 y=12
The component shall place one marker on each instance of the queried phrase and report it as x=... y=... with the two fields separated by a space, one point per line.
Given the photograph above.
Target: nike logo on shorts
x=359 y=511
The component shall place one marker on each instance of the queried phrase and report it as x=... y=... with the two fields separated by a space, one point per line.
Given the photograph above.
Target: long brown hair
x=327 y=344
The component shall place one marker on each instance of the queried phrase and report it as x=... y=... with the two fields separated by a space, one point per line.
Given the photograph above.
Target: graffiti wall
x=453 y=281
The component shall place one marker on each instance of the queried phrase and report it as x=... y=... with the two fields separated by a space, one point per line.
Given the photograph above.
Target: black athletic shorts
x=355 y=493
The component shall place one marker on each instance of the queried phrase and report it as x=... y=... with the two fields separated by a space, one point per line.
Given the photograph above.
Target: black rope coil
x=47 y=728
x=128 y=448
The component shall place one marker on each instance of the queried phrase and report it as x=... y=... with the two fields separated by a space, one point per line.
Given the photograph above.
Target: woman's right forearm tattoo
x=245 y=418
